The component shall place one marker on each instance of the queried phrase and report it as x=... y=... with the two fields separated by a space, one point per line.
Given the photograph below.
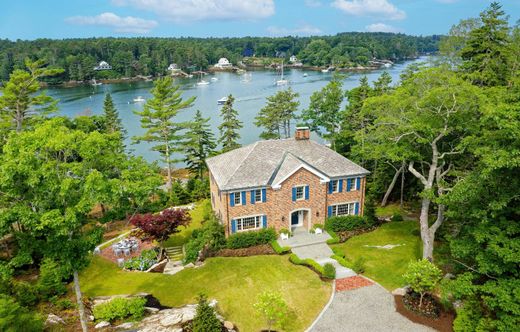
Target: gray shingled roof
x=265 y=162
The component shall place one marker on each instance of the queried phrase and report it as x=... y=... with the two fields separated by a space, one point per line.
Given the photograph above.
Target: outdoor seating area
x=302 y=237
x=125 y=249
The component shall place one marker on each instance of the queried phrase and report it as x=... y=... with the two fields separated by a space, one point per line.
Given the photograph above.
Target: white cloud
x=198 y=10
x=381 y=27
x=313 y=3
x=302 y=30
x=128 y=24
x=375 y=8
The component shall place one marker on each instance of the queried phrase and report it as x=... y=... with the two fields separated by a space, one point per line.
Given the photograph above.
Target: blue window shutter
x=294 y=194
x=232 y=199
x=307 y=192
x=358 y=183
x=329 y=211
x=349 y=184
x=233 y=226
x=264 y=221
x=264 y=195
x=330 y=187
x=243 y=198
x=356 y=209
x=340 y=185
x=252 y=197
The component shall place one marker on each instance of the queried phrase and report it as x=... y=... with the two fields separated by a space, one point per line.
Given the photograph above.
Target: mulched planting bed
x=108 y=253
x=443 y=323
x=351 y=283
x=344 y=236
x=264 y=249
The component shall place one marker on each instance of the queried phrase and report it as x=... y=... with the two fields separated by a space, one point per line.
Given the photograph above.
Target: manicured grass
x=197 y=215
x=386 y=266
x=234 y=281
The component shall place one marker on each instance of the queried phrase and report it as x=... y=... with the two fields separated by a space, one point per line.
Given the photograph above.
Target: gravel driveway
x=369 y=308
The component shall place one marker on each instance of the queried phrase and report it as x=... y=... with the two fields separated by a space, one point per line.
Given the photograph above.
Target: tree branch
x=417 y=174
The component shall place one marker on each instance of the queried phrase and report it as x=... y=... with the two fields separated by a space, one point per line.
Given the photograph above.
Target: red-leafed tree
x=160 y=226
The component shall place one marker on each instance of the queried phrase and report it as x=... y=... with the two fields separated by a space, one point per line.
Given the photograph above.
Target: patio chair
x=284 y=236
x=117 y=251
x=126 y=251
x=318 y=231
x=135 y=246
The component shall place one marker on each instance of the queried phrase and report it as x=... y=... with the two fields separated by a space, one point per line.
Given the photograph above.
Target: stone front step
x=174 y=253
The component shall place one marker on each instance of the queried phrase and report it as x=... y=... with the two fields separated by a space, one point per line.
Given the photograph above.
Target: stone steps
x=174 y=253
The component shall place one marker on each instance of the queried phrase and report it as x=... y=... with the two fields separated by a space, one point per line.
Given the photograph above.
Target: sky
x=32 y=19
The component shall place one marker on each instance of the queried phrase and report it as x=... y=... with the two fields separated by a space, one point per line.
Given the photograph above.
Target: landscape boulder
x=52 y=319
x=102 y=325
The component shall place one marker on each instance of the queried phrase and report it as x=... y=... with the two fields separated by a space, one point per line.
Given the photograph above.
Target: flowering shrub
x=143 y=262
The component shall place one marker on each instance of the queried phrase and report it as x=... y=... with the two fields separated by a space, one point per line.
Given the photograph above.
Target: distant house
x=280 y=54
x=293 y=59
x=103 y=65
x=223 y=63
x=173 y=67
x=286 y=183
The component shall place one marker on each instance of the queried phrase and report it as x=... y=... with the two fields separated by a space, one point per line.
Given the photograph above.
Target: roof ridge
x=277 y=169
x=253 y=146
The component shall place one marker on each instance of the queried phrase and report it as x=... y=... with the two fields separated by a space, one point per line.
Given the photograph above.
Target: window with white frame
x=300 y=193
x=237 y=198
x=257 y=195
x=248 y=223
x=335 y=186
x=344 y=209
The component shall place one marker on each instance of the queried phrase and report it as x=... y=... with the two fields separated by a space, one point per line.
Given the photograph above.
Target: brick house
x=285 y=183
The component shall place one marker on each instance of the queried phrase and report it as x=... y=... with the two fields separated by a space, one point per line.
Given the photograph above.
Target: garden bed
x=263 y=249
x=108 y=253
x=344 y=236
x=443 y=323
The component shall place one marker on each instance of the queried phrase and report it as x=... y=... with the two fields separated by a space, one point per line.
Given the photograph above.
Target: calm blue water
x=250 y=97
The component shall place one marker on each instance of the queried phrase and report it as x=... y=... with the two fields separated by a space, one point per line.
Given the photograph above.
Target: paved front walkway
x=363 y=308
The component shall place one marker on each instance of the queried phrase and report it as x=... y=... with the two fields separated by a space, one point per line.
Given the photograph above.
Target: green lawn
x=386 y=266
x=197 y=215
x=235 y=282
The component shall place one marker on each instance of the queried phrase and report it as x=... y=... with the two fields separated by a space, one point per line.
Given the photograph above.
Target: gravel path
x=364 y=309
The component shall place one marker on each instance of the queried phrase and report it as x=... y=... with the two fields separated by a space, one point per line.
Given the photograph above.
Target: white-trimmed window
x=248 y=223
x=344 y=209
x=257 y=195
x=300 y=193
x=237 y=198
x=335 y=186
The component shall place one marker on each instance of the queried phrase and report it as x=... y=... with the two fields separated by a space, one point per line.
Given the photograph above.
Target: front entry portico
x=300 y=218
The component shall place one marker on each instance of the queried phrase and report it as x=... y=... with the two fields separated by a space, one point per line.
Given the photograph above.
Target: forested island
x=131 y=57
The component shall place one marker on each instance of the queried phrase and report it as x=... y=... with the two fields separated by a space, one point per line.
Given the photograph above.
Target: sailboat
x=282 y=81
x=201 y=81
x=94 y=83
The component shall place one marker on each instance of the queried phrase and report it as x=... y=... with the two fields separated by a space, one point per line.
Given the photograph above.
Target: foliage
x=14 y=318
x=142 y=263
x=422 y=276
x=251 y=238
x=198 y=188
x=275 y=117
x=346 y=223
x=343 y=261
x=158 y=119
x=161 y=225
x=50 y=279
x=230 y=126
x=279 y=249
x=25 y=293
x=205 y=319
x=210 y=235
x=309 y=262
x=120 y=308
x=285 y=231
x=112 y=120
x=359 y=265
x=199 y=144
x=396 y=217
x=272 y=306
x=329 y=271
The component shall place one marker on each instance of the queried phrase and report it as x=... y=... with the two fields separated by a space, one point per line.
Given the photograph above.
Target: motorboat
x=139 y=99
x=305 y=74
x=222 y=100
x=94 y=83
x=214 y=79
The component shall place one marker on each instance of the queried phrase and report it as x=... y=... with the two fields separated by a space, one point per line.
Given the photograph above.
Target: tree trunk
x=426 y=235
x=169 y=170
x=81 y=308
x=402 y=185
x=391 y=186
x=420 y=300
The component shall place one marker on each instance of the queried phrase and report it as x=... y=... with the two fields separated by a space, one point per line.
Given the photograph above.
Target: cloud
x=128 y=24
x=381 y=27
x=374 y=8
x=198 y=10
x=313 y=3
x=302 y=30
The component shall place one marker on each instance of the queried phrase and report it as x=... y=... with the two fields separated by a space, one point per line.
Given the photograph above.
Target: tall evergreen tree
x=487 y=50
x=230 y=126
x=112 y=120
x=277 y=115
x=200 y=144
x=158 y=118
x=324 y=110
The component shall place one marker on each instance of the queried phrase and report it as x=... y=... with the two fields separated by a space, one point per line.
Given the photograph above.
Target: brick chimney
x=302 y=133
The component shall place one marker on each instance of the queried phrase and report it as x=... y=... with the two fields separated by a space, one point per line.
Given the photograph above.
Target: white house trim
x=323 y=177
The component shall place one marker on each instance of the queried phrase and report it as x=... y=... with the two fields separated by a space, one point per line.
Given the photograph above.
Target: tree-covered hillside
x=151 y=56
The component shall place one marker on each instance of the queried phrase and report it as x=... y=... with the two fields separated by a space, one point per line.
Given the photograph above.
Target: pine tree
x=229 y=127
x=112 y=121
x=158 y=118
x=382 y=84
x=205 y=319
x=276 y=116
x=200 y=144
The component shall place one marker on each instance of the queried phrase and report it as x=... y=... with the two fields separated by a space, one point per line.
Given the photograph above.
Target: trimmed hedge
x=334 y=237
x=311 y=263
x=342 y=261
x=329 y=271
x=346 y=223
x=279 y=249
x=251 y=238
x=119 y=308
